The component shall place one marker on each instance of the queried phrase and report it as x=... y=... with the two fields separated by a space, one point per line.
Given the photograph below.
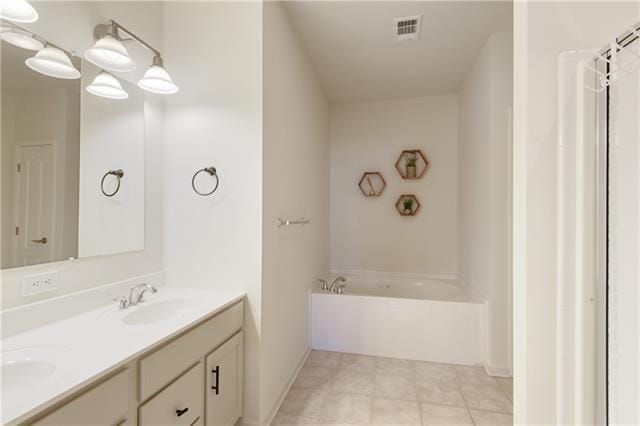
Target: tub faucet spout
x=333 y=287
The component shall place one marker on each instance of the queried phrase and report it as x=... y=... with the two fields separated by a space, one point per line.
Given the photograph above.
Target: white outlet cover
x=39 y=283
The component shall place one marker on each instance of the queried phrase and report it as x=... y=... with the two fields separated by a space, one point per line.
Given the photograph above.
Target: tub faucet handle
x=325 y=284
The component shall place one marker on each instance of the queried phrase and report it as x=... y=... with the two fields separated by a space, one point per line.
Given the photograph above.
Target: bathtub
x=418 y=319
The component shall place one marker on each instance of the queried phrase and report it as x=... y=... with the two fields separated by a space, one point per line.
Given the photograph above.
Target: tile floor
x=335 y=388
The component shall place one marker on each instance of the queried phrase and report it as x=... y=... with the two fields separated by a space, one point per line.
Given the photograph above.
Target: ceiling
x=353 y=49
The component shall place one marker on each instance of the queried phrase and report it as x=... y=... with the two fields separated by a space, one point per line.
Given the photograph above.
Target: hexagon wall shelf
x=372 y=184
x=404 y=167
x=407 y=205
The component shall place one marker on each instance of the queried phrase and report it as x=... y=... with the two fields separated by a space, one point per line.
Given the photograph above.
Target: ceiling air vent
x=408 y=28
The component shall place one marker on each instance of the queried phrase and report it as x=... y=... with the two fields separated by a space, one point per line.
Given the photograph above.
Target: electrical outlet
x=39 y=283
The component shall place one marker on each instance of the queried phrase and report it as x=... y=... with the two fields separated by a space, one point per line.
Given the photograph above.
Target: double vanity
x=176 y=357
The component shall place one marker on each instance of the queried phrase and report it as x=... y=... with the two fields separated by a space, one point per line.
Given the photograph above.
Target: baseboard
x=496 y=371
x=276 y=406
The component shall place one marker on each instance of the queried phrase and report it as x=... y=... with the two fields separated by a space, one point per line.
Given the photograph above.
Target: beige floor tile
x=395 y=412
x=353 y=382
x=324 y=359
x=346 y=408
x=283 y=419
x=312 y=376
x=439 y=390
x=506 y=383
x=395 y=387
x=395 y=367
x=431 y=369
x=355 y=362
x=304 y=402
x=468 y=374
x=485 y=396
x=443 y=415
x=485 y=418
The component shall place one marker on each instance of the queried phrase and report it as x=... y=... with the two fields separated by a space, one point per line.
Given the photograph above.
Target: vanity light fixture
x=53 y=62
x=157 y=80
x=18 y=11
x=106 y=85
x=108 y=52
x=21 y=38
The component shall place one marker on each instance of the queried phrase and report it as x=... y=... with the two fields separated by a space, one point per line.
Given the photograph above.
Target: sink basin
x=156 y=312
x=25 y=370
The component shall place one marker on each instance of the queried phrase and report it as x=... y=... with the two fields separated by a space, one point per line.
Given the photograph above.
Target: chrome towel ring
x=211 y=171
x=119 y=174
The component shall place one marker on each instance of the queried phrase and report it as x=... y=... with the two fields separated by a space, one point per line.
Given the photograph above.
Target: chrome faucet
x=334 y=287
x=136 y=295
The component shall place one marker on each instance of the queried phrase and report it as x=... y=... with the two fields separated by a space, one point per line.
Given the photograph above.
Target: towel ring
x=211 y=171
x=119 y=174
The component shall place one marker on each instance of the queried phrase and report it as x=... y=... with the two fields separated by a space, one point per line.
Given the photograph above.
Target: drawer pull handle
x=216 y=379
x=181 y=412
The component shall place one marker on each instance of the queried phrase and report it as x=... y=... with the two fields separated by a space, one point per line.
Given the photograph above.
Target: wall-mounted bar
x=282 y=222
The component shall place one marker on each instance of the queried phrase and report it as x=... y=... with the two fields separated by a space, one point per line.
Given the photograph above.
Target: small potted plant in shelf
x=410 y=163
x=407 y=203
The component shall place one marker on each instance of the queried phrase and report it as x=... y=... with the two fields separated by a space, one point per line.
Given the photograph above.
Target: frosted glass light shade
x=110 y=54
x=53 y=62
x=17 y=11
x=107 y=86
x=157 y=80
x=20 y=38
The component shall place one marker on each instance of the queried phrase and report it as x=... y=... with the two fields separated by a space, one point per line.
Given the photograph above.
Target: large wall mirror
x=58 y=143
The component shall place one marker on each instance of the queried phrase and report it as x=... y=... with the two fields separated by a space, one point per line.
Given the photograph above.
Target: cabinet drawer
x=105 y=404
x=162 y=366
x=181 y=403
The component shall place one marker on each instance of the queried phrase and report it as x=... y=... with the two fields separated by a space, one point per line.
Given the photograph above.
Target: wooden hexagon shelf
x=412 y=164
x=407 y=205
x=372 y=184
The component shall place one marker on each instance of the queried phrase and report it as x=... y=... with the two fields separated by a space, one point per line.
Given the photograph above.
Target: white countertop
x=93 y=343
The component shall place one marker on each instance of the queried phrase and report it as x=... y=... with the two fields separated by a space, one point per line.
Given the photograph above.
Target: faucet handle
x=340 y=289
x=325 y=284
x=123 y=302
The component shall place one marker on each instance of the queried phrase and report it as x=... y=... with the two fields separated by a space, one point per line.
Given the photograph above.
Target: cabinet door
x=180 y=403
x=224 y=383
x=104 y=404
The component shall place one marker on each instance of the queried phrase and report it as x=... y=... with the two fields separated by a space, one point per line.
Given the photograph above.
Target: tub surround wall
x=295 y=184
x=367 y=233
x=70 y=24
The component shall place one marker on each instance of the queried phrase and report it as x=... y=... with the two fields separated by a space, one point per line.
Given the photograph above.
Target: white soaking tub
x=419 y=319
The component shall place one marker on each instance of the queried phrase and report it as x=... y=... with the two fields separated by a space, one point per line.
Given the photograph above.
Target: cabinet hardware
x=216 y=379
x=181 y=412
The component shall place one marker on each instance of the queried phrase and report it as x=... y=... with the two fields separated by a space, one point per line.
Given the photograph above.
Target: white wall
x=542 y=31
x=70 y=24
x=484 y=191
x=214 y=53
x=295 y=183
x=367 y=233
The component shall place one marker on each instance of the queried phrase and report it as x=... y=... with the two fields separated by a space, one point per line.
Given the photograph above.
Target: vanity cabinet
x=105 y=404
x=194 y=379
x=224 y=383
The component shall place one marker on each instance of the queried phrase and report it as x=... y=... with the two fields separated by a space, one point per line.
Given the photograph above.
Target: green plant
x=407 y=204
x=411 y=159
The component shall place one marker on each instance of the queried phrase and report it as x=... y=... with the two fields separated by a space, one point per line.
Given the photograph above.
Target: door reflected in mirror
x=40 y=163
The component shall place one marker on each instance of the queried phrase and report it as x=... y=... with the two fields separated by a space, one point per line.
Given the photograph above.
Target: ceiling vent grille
x=408 y=28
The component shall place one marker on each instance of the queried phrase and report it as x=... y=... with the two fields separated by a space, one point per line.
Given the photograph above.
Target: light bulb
x=53 y=62
x=20 y=38
x=157 y=79
x=107 y=86
x=110 y=54
x=18 y=11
